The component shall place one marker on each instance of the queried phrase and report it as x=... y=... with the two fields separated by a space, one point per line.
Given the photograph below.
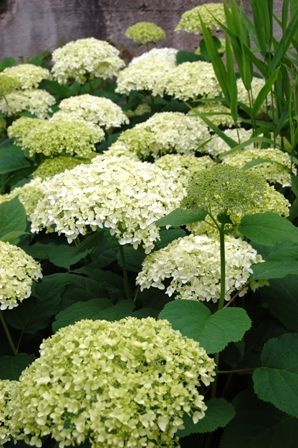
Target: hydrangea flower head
x=8 y=84
x=192 y=264
x=148 y=72
x=18 y=270
x=217 y=113
x=49 y=167
x=52 y=138
x=165 y=132
x=7 y=391
x=208 y=13
x=192 y=80
x=85 y=59
x=256 y=85
x=28 y=75
x=126 y=383
x=100 y=111
x=145 y=33
x=36 y=101
x=216 y=146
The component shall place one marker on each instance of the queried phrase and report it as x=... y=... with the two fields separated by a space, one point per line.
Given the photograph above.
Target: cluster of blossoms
x=165 y=132
x=118 y=193
x=115 y=384
x=145 y=33
x=38 y=102
x=85 y=59
x=271 y=163
x=52 y=138
x=148 y=72
x=100 y=111
x=7 y=392
x=192 y=80
x=256 y=85
x=208 y=13
x=216 y=146
x=51 y=167
x=193 y=265
x=217 y=113
x=17 y=272
x=27 y=75
x=7 y=85
x=28 y=194
x=185 y=167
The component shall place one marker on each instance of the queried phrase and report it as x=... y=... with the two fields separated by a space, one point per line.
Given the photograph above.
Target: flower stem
x=222 y=267
x=7 y=333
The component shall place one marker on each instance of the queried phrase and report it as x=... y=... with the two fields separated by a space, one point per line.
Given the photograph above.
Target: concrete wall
x=30 y=26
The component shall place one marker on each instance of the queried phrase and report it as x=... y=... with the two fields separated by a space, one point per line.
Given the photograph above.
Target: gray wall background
x=31 y=26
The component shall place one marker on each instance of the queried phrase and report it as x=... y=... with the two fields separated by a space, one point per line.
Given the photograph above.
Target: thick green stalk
x=222 y=267
x=7 y=333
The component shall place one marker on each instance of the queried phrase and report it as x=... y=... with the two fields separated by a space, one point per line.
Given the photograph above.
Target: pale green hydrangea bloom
x=209 y=13
x=276 y=166
x=184 y=167
x=85 y=59
x=51 y=167
x=145 y=33
x=192 y=264
x=38 y=102
x=97 y=110
x=256 y=85
x=165 y=132
x=29 y=194
x=217 y=113
x=28 y=75
x=52 y=138
x=119 y=193
x=119 y=149
x=235 y=192
x=7 y=84
x=216 y=146
x=114 y=384
x=18 y=270
x=21 y=127
x=148 y=72
x=192 y=80
x=7 y=392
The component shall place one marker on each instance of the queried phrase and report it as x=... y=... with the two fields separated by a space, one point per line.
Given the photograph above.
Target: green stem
x=228 y=372
x=222 y=267
x=7 y=333
x=125 y=276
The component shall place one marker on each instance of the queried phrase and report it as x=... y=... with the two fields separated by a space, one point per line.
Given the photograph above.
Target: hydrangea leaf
x=258 y=425
x=268 y=229
x=13 y=221
x=180 y=217
x=12 y=366
x=277 y=380
x=219 y=413
x=213 y=331
x=274 y=269
x=12 y=159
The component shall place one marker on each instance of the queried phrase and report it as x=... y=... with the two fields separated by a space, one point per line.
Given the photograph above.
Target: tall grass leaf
x=284 y=43
x=265 y=91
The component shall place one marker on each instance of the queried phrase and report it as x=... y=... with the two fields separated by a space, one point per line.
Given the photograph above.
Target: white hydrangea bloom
x=256 y=85
x=28 y=75
x=7 y=391
x=17 y=272
x=209 y=13
x=38 y=102
x=192 y=80
x=216 y=146
x=148 y=72
x=126 y=384
x=192 y=264
x=217 y=113
x=118 y=193
x=276 y=166
x=97 y=110
x=165 y=132
x=85 y=59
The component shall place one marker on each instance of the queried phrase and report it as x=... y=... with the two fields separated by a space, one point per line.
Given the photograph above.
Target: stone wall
x=31 y=26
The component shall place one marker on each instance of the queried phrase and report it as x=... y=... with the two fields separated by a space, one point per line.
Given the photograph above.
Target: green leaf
x=186 y=56
x=274 y=269
x=213 y=331
x=259 y=425
x=277 y=380
x=12 y=366
x=265 y=91
x=90 y=309
x=181 y=216
x=219 y=413
x=13 y=221
x=268 y=229
x=12 y=159
x=167 y=236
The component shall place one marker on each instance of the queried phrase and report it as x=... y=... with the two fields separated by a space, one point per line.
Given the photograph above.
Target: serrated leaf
x=219 y=413
x=277 y=380
x=181 y=217
x=213 y=331
x=13 y=221
x=12 y=366
x=268 y=229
